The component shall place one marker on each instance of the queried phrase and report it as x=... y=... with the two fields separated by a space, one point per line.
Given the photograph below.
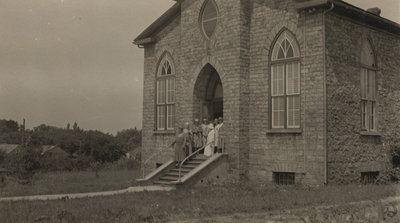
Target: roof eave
x=310 y=4
x=353 y=12
x=146 y=37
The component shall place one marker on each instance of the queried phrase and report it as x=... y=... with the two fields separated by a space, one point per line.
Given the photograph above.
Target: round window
x=209 y=18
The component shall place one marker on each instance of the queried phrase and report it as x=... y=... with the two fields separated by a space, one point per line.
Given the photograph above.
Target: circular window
x=209 y=18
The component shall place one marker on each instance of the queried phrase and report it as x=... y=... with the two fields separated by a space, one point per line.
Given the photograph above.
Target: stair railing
x=188 y=157
x=150 y=158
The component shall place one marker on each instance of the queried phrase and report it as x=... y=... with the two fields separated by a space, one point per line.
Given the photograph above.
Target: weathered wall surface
x=302 y=153
x=191 y=52
x=350 y=152
x=152 y=142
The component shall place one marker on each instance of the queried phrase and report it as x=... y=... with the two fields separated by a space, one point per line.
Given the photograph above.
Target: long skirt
x=180 y=154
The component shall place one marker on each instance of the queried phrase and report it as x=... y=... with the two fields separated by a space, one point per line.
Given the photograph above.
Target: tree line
x=93 y=145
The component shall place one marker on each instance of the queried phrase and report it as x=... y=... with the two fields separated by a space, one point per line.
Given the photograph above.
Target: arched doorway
x=208 y=94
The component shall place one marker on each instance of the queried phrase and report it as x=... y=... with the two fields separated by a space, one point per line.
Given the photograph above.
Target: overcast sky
x=63 y=61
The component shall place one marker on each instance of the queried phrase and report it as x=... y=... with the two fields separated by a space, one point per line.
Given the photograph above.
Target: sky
x=66 y=61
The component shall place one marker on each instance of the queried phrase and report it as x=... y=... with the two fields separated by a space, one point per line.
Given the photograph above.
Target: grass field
x=188 y=203
x=70 y=182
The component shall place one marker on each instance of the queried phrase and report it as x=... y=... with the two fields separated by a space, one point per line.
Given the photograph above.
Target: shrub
x=81 y=162
x=2 y=158
x=395 y=154
x=24 y=163
x=56 y=164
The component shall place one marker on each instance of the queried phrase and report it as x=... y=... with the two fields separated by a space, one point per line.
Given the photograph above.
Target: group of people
x=196 y=136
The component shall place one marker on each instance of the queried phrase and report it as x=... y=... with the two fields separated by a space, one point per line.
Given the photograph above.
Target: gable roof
x=344 y=8
x=8 y=148
x=146 y=37
x=47 y=148
x=353 y=12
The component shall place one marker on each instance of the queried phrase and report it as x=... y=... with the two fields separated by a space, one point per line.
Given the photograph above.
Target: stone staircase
x=171 y=176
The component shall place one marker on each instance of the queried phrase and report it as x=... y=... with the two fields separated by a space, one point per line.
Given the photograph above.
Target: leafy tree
x=24 y=163
x=129 y=139
x=85 y=146
x=9 y=132
x=7 y=126
x=75 y=127
x=103 y=147
x=2 y=158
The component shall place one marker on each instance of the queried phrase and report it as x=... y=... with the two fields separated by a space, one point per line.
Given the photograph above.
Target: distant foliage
x=2 y=158
x=83 y=146
x=24 y=163
x=9 y=132
x=130 y=139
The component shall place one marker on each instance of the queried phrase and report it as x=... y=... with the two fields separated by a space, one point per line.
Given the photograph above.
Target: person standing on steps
x=216 y=134
x=197 y=136
x=209 y=149
x=188 y=138
x=218 y=139
x=204 y=131
x=179 y=146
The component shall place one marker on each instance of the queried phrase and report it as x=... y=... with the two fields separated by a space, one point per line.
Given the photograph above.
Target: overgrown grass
x=189 y=203
x=70 y=182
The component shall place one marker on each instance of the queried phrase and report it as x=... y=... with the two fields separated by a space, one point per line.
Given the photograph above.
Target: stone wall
x=302 y=153
x=239 y=52
x=192 y=52
x=350 y=152
x=152 y=141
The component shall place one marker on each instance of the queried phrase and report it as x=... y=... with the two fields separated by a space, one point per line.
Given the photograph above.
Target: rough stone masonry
x=330 y=146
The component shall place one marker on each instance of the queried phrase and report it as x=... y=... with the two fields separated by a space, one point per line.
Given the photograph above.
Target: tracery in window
x=209 y=18
x=285 y=82
x=368 y=88
x=165 y=103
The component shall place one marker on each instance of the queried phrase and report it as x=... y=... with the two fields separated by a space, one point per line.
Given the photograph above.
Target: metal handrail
x=146 y=161
x=188 y=157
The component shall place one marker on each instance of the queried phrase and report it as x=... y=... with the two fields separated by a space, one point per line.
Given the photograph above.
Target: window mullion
x=165 y=104
x=210 y=19
x=285 y=95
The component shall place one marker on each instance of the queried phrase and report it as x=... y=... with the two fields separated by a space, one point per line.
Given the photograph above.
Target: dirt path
x=86 y=195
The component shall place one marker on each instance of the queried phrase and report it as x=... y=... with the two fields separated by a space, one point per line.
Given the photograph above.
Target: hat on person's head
x=196 y=120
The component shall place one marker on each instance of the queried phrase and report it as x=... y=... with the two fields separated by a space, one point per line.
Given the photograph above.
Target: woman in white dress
x=209 y=150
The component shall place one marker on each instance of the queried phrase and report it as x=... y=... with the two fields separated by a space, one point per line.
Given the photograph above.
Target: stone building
x=309 y=89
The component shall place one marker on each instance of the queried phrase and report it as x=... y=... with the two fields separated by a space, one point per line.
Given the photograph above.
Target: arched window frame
x=368 y=87
x=285 y=82
x=203 y=21
x=165 y=94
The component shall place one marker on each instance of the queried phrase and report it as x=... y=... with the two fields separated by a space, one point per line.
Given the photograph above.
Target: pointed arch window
x=165 y=101
x=285 y=82
x=368 y=88
x=209 y=18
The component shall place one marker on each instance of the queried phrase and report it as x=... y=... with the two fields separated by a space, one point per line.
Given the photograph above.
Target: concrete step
x=186 y=168
x=200 y=157
x=174 y=174
x=182 y=170
x=169 y=178
x=163 y=182
x=195 y=162
x=190 y=166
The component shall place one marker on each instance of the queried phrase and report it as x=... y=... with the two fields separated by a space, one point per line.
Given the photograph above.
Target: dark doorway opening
x=208 y=94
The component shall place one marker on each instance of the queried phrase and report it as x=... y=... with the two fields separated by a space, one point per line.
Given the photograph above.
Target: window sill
x=370 y=133
x=164 y=132
x=284 y=131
